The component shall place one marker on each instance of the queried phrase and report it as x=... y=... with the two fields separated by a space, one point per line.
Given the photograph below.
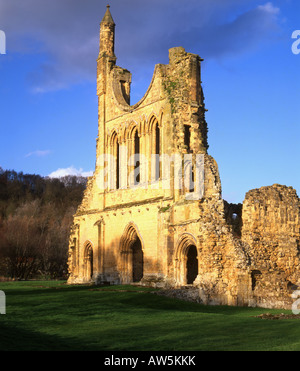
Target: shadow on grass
x=88 y=317
x=135 y=297
x=15 y=338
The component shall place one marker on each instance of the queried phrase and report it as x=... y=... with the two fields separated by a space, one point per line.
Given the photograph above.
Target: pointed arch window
x=155 y=151
x=115 y=162
x=136 y=148
x=117 y=175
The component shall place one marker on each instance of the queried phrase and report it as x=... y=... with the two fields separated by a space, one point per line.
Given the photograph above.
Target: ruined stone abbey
x=153 y=213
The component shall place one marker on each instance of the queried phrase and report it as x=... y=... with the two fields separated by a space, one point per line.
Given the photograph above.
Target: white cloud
x=59 y=173
x=69 y=40
x=269 y=8
x=38 y=153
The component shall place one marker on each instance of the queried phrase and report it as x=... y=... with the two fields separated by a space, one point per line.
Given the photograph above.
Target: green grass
x=54 y=316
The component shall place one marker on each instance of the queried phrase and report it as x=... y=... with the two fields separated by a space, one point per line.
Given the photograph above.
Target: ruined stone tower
x=153 y=211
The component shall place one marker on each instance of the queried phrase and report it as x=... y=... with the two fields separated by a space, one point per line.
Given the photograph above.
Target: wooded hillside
x=35 y=218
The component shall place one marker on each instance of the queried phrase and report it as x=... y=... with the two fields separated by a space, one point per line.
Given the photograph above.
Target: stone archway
x=132 y=256
x=186 y=260
x=88 y=261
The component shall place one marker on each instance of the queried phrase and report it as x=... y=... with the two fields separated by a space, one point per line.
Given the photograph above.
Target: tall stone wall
x=271 y=229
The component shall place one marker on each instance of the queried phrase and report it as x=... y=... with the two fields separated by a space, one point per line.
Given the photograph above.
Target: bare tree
x=35 y=219
x=24 y=240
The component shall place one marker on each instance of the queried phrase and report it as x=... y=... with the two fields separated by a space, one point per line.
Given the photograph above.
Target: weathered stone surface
x=154 y=230
x=271 y=228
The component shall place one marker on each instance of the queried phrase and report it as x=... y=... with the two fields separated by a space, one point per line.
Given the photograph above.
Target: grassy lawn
x=54 y=316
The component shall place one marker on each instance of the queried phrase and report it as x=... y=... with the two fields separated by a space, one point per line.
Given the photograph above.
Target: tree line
x=36 y=214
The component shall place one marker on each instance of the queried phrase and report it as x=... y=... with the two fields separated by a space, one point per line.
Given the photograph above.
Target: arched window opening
x=155 y=149
x=136 y=158
x=189 y=173
x=117 y=175
x=187 y=138
x=192 y=183
x=115 y=163
x=157 y=174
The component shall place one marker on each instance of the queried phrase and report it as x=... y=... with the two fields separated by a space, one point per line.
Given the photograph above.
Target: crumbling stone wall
x=233 y=216
x=182 y=86
x=271 y=229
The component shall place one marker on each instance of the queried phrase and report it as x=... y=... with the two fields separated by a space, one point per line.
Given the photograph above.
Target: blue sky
x=251 y=80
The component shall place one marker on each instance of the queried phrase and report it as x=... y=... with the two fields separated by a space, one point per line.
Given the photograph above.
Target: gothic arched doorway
x=132 y=256
x=88 y=261
x=186 y=260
